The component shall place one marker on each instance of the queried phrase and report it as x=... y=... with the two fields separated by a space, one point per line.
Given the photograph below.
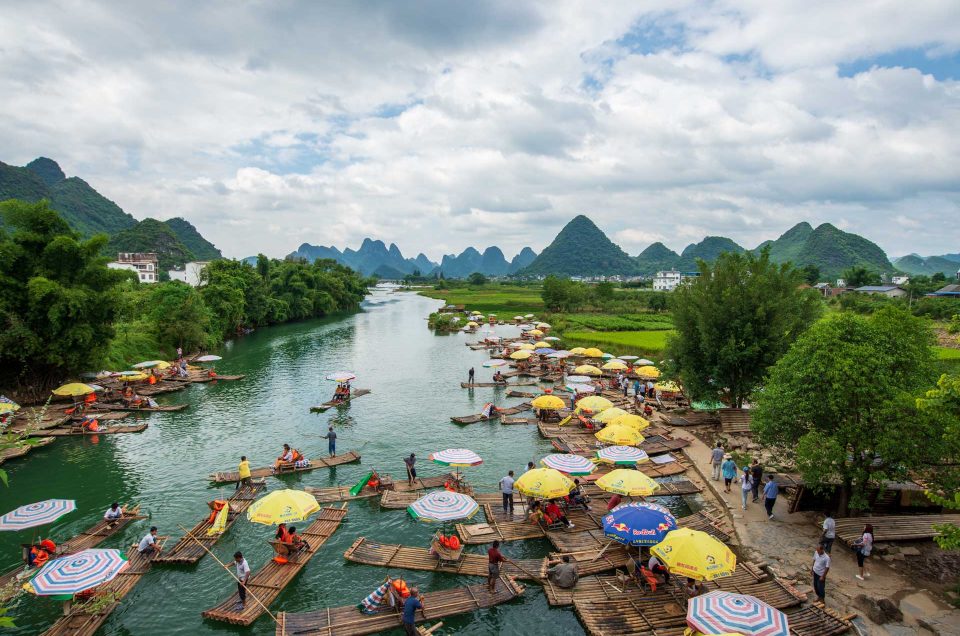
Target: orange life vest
x=91 y=425
x=91 y=398
x=400 y=587
x=217 y=506
x=297 y=455
x=40 y=556
x=48 y=545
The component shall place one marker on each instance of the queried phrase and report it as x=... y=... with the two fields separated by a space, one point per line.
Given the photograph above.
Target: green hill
x=927 y=266
x=151 y=235
x=829 y=248
x=655 y=258
x=47 y=169
x=201 y=248
x=790 y=244
x=20 y=183
x=581 y=249
x=708 y=249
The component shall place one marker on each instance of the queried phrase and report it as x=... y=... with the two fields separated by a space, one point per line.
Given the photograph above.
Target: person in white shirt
x=506 y=489
x=658 y=568
x=113 y=513
x=864 y=546
x=148 y=544
x=243 y=575
x=821 y=565
x=716 y=459
x=829 y=531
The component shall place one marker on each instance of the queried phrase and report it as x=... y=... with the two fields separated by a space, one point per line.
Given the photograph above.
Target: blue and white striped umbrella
x=456 y=457
x=622 y=455
x=726 y=612
x=496 y=362
x=36 y=514
x=569 y=464
x=581 y=388
x=75 y=573
x=443 y=505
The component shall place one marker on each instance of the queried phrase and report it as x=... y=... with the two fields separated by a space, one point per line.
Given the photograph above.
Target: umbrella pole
x=234 y=577
x=602 y=551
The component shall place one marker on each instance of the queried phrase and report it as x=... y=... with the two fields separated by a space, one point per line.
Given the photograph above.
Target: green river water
x=414 y=376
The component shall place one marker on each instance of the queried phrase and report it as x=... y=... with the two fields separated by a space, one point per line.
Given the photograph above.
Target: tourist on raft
x=114 y=513
x=286 y=457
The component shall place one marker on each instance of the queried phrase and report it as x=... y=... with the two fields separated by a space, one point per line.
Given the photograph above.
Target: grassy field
x=503 y=300
x=946 y=353
x=620 y=342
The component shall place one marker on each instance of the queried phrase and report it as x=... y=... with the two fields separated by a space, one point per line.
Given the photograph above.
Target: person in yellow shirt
x=244 y=471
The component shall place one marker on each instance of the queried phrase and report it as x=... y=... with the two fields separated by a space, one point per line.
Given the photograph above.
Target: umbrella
x=544 y=483
x=208 y=358
x=581 y=388
x=541 y=345
x=579 y=379
x=569 y=464
x=544 y=351
x=535 y=332
x=524 y=327
x=594 y=404
x=593 y=352
x=496 y=362
x=627 y=357
x=282 y=506
x=456 y=457
x=472 y=324
x=695 y=554
x=341 y=376
x=577 y=351
x=647 y=372
x=149 y=364
x=720 y=611
x=644 y=361
x=77 y=572
x=443 y=505
x=37 y=514
x=622 y=455
x=608 y=356
x=635 y=422
x=631 y=483
x=548 y=402
x=543 y=325
x=520 y=355
x=74 y=389
x=133 y=377
x=614 y=365
x=587 y=369
x=609 y=414
x=619 y=435
x=559 y=355
x=638 y=523
x=667 y=387
x=518 y=317
x=525 y=346
x=552 y=339
x=7 y=405
x=528 y=316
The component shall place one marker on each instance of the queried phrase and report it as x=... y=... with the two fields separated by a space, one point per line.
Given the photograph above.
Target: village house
x=191 y=274
x=890 y=291
x=143 y=263
x=668 y=280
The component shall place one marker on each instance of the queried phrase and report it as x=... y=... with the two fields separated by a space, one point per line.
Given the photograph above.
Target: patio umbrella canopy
x=638 y=523
x=544 y=483
x=456 y=457
x=76 y=573
x=442 y=505
x=36 y=514
x=630 y=483
x=282 y=506
x=695 y=554
x=622 y=455
x=726 y=612
x=569 y=464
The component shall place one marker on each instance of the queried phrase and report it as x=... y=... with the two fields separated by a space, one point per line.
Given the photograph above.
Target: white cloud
x=442 y=125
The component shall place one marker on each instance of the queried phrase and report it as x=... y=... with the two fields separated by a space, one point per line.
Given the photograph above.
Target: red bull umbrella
x=640 y=523
x=725 y=612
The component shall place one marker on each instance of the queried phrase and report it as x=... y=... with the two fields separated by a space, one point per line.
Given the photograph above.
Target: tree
x=603 y=292
x=811 y=274
x=477 y=279
x=858 y=276
x=943 y=402
x=180 y=317
x=58 y=299
x=840 y=403
x=562 y=294
x=735 y=320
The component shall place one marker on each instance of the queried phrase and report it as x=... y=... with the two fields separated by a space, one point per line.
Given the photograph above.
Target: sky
x=442 y=124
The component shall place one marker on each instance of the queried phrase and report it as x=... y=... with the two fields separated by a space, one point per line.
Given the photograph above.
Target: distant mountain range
x=946 y=264
x=176 y=241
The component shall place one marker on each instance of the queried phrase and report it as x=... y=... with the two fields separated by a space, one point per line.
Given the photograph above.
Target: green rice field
x=636 y=341
x=503 y=300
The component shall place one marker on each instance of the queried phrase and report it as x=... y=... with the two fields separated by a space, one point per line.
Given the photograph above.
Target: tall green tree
x=841 y=403
x=180 y=317
x=58 y=299
x=943 y=402
x=735 y=321
x=858 y=276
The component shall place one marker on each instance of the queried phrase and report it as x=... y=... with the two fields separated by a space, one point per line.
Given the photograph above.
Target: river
x=414 y=376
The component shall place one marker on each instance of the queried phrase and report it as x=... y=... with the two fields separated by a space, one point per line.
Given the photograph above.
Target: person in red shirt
x=554 y=513
x=494 y=559
x=614 y=502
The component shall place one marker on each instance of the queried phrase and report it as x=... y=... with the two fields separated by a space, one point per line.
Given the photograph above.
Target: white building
x=900 y=280
x=190 y=274
x=668 y=280
x=144 y=264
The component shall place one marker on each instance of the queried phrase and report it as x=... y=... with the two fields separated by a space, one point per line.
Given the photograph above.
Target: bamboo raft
x=200 y=377
x=894 y=527
x=89 y=538
x=493 y=385
x=20 y=451
x=164 y=386
x=342 y=493
x=168 y=408
x=473 y=419
x=510 y=530
x=350 y=621
x=229 y=477
x=320 y=408
x=734 y=421
x=587 y=444
x=411 y=558
x=817 y=620
x=592 y=538
x=80 y=622
x=190 y=549
x=102 y=416
x=515 y=421
x=67 y=431
x=269 y=581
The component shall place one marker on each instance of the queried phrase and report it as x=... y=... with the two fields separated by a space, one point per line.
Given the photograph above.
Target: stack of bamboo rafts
x=894 y=527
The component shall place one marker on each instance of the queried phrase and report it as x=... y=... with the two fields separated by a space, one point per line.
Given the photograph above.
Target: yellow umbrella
x=619 y=435
x=526 y=346
x=631 y=483
x=549 y=402
x=520 y=355
x=647 y=372
x=543 y=325
x=134 y=377
x=544 y=483
x=695 y=554
x=630 y=420
x=472 y=324
x=614 y=365
x=594 y=404
x=541 y=345
x=587 y=369
x=282 y=506
x=73 y=389
x=535 y=332
x=577 y=351
x=593 y=352
x=609 y=414
x=667 y=387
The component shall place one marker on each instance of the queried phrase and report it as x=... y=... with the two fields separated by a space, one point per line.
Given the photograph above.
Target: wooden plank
x=331 y=404
x=894 y=527
x=20 y=451
x=69 y=431
x=342 y=493
x=229 y=477
x=270 y=580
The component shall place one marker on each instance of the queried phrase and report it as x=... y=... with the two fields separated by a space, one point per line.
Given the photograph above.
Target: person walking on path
x=624 y=384
x=864 y=546
x=470 y=375
x=413 y=603
x=756 y=470
x=770 y=492
x=331 y=438
x=506 y=489
x=411 y=468
x=243 y=574
x=746 y=486
x=636 y=389
x=829 y=531
x=716 y=458
x=729 y=469
x=821 y=565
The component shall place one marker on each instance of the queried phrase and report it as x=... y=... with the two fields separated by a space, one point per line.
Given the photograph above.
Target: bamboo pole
x=234 y=576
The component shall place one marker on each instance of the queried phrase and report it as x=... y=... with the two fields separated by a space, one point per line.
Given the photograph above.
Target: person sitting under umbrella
x=552 y=514
x=577 y=498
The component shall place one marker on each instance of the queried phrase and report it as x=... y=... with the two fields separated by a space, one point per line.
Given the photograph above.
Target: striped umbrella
x=622 y=455
x=581 y=388
x=208 y=358
x=341 y=376
x=569 y=464
x=75 y=573
x=718 y=611
x=496 y=362
x=443 y=505
x=638 y=523
x=7 y=405
x=456 y=457
x=578 y=379
x=37 y=514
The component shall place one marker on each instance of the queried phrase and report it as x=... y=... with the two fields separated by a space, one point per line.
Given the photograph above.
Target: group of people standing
x=750 y=479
